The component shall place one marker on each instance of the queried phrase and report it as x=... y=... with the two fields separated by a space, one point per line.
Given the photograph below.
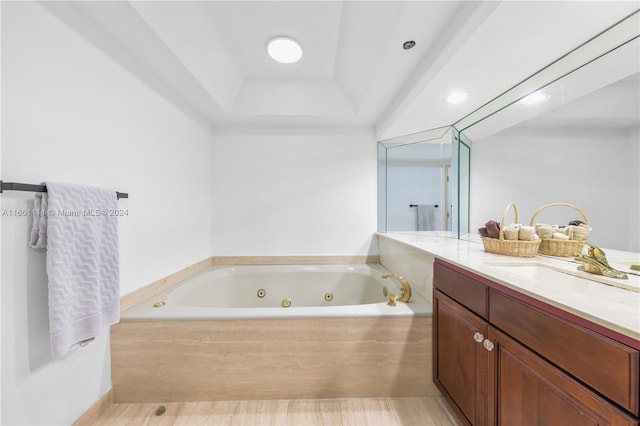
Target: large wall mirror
x=574 y=138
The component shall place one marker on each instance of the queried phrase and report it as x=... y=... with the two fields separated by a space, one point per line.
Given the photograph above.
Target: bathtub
x=280 y=291
x=224 y=334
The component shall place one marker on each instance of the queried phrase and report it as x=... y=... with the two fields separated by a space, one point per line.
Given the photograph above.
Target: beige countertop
x=555 y=281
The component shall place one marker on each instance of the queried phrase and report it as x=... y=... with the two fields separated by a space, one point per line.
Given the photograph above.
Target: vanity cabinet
x=500 y=361
x=461 y=359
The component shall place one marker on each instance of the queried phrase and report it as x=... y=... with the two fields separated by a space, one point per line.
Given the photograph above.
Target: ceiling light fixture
x=285 y=50
x=456 y=97
x=534 y=98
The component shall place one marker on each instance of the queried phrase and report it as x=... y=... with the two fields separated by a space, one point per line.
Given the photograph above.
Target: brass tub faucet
x=406 y=289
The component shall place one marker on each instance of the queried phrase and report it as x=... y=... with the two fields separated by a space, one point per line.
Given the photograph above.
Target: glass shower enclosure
x=423 y=183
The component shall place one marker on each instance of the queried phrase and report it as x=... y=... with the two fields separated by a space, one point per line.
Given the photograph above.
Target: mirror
x=419 y=183
x=575 y=140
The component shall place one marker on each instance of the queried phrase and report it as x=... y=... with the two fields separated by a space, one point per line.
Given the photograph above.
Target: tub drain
x=159 y=304
x=261 y=293
x=286 y=302
x=328 y=297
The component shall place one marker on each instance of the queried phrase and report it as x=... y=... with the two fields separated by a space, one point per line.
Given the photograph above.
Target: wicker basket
x=561 y=248
x=515 y=248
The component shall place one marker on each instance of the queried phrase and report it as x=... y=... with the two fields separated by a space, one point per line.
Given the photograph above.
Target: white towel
x=428 y=218
x=39 y=229
x=80 y=232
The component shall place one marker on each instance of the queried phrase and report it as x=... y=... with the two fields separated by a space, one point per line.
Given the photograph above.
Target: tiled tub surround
x=413 y=263
x=271 y=359
x=286 y=357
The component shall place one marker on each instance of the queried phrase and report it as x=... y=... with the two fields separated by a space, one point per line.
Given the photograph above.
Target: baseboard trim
x=90 y=416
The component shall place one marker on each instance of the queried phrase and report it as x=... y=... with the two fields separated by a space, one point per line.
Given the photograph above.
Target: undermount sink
x=537 y=270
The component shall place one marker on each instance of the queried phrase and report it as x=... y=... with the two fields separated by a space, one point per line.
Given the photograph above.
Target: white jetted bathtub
x=281 y=291
x=274 y=332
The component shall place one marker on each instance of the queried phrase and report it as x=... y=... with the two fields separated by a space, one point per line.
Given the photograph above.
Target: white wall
x=415 y=174
x=413 y=183
x=69 y=113
x=536 y=167
x=284 y=192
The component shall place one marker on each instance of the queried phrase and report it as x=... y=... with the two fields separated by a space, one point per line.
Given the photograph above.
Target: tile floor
x=427 y=411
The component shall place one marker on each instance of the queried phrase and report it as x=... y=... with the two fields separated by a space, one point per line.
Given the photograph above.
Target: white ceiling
x=209 y=57
x=511 y=44
x=603 y=96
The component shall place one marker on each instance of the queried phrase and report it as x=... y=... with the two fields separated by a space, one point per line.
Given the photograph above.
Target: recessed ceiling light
x=534 y=98
x=456 y=97
x=285 y=50
x=408 y=44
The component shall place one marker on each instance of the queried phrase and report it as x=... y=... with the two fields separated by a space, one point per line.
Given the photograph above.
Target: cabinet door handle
x=488 y=345
x=478 y=337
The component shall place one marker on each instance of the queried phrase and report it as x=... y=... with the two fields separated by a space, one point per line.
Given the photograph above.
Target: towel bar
x=12 y=186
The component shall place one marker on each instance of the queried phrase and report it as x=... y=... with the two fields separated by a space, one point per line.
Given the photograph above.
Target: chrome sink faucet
x=595 y=262
x=406 y=289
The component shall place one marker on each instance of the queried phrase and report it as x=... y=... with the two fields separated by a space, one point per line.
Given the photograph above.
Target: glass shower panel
x=464 y=182
x=414 y=176
x=382 y=188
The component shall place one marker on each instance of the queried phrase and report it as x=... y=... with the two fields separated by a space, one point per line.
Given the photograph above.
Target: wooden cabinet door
x=460 y=360
x=524 y=389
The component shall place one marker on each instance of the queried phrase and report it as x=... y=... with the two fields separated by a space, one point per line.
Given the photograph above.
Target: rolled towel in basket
x=580 y=232
x=511 y=231
x=493 y=229
x=560 y=236
x=544 y=231
x=527 y=233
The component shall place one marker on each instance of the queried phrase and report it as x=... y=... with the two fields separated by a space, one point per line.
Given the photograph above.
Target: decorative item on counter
x=527 y=233
x=493 y=229
x=580 y=232
x=507 y=247
x=483 y=232
x=562 y=241
x=511 y=232
x=544 y=231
